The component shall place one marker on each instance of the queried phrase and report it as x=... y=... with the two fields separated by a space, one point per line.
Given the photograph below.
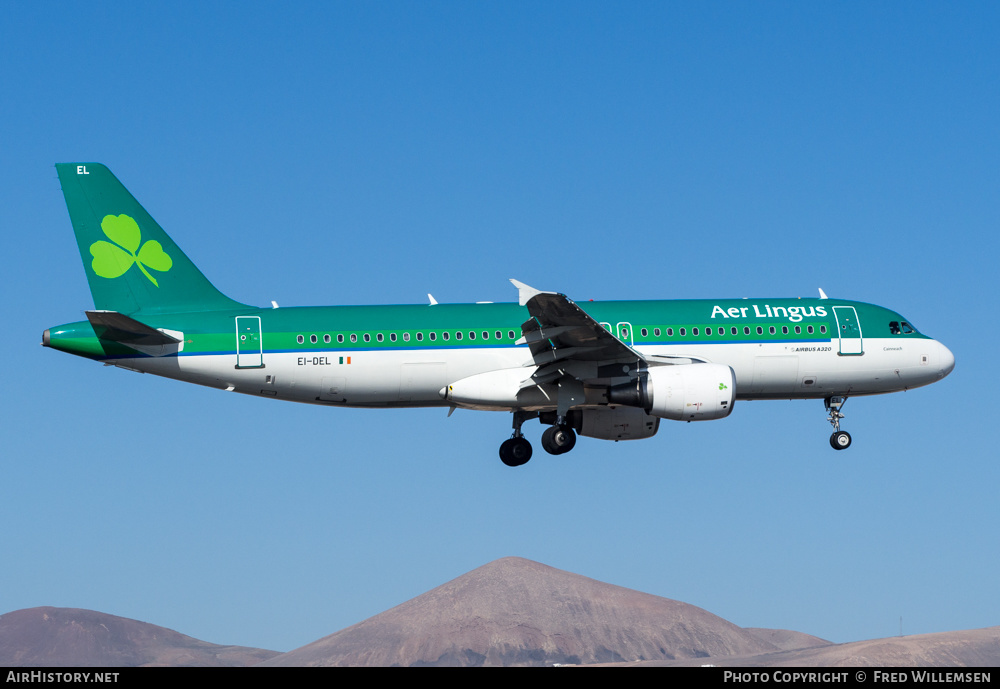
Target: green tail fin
x=131 y=264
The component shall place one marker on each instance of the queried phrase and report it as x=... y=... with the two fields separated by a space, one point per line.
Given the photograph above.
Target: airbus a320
x=608 y=370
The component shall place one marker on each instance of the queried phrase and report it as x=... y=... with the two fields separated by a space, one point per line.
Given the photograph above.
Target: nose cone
x=945 y=359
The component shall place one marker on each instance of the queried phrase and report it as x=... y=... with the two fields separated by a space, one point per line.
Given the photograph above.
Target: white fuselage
x=415 y=378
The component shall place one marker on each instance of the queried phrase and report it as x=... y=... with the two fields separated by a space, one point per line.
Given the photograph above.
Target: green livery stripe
x=215 y=333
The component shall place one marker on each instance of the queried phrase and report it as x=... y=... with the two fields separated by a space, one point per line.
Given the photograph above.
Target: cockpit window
x=893 y=327
x=901 y=327
x=906 y=328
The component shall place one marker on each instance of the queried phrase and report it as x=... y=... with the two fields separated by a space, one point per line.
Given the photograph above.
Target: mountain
x=787 y=640
x=508 y=612
x=970 y=648
x=66 y=637
x=518 y=612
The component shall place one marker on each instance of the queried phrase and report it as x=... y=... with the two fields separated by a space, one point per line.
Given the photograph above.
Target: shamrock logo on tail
x=114 y=260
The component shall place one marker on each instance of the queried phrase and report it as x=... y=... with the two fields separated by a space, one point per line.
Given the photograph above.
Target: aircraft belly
x=415 y=378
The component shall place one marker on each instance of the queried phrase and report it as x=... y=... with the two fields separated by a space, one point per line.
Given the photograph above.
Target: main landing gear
x=840 y=440
x=516 y=450
x=556 y=440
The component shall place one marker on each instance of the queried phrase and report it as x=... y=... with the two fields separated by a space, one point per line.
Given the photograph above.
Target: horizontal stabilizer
x=117 y=327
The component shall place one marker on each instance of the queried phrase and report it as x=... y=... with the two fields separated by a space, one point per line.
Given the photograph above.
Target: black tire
x=566 y=438
x=547 y=443
x=515 y=451
x=841 y=440
x=557 y=440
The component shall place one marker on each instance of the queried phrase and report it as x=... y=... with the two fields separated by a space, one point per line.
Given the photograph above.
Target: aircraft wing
x=564 y=340
x=559 y=329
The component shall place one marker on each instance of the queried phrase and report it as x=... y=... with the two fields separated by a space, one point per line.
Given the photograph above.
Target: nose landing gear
x=840 y=440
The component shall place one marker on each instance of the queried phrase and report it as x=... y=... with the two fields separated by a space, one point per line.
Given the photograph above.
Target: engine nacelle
x=685 y=392
x=617 y=423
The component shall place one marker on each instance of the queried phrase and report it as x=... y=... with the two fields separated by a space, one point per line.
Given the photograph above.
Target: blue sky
x=371 y=153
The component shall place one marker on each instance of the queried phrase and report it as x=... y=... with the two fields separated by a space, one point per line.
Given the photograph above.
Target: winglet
x=524 y=292
x=822 y=294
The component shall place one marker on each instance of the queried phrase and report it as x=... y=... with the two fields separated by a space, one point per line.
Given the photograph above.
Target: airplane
x=608 y=370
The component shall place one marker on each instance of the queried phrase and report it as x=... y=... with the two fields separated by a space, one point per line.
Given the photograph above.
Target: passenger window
x=392 y=337
x=708 y=331
x=760 y=330
x=499 y=335
x=670 y=332
x=368 y=338
x=313 y=339
x=472 y=334
x=694 y=331
x=300 y=339
x=784 y=330
x=656 y=332
x=433 y=336
x=379 y=337
x=406 y=337
x=326 y=339
x=354 y=338
x=798 y=330
x=809 y=329
x=822 y=329
x=420 y=337
x=734 y=330
x=771 y=329
x=445 y=335
x=458 y=335
x=746 y=329
x=644 y=332
x=486 y=335
x=510 y=334
x=683 y=332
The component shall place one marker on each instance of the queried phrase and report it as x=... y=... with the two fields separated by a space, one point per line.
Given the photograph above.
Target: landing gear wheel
x=841 y=440
x=557 y=440
x=515 y=452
